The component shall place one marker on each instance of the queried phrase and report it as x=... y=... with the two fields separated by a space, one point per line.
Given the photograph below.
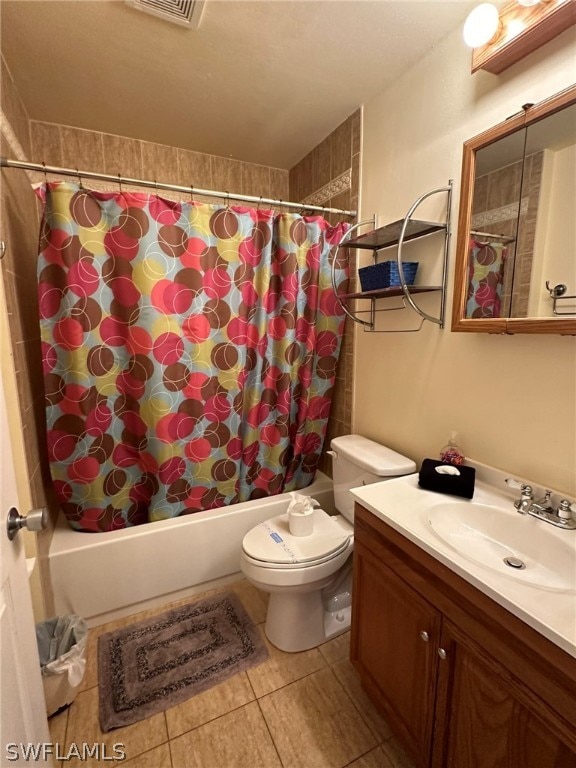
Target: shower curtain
x=485 y=279
x=189 y=352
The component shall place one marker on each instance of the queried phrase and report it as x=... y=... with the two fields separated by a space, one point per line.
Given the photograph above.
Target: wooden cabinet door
x=396 y=662
x=486 y=718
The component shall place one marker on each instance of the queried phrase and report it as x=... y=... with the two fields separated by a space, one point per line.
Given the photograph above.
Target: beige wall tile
x=322 y=163
x=82 y=149
x=13 y=108
x=194 y=168
x=295 y=183
x=159 y=162
x=84 y=727
x=209 y=705
x=239 y=739
x=226 y=174
x=314 y=723
x=255 y=180
x=46 y=143
x=279 y=185
x=283 y=668
x=357 y=132
x=342 y=147
x=122 y=156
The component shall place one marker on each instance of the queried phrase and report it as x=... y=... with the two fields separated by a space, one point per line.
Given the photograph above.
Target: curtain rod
x=493 y=235
x=42 y=168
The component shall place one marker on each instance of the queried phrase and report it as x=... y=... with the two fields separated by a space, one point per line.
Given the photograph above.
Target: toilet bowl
x=309 y=578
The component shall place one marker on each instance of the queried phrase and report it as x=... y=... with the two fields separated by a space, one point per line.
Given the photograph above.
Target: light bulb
x=481 y=25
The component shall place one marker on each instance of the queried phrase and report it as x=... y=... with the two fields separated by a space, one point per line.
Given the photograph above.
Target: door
x=486 y=718
x=395 y=634
x=22 y=713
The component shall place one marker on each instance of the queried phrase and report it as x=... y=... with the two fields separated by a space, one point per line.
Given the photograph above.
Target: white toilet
x=309 y=578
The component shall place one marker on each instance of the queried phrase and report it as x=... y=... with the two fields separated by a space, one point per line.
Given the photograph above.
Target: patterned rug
x=156 y=663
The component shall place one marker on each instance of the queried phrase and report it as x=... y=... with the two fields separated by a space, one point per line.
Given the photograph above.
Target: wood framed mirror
x=516 y=245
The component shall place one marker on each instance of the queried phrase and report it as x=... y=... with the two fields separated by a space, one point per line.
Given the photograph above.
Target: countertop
x=404 y=506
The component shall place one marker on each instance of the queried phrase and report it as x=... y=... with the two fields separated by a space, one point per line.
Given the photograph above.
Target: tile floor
x=295 y=710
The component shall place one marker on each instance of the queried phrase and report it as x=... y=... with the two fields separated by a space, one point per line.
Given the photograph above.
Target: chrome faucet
x=543 y=508
x=542 y=505
x=526 y=499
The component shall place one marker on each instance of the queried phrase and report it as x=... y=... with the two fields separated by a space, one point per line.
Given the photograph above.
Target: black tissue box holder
x=456 y=485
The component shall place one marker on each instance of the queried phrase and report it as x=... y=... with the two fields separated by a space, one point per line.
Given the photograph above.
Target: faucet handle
x=513 y=483
x=565 y=510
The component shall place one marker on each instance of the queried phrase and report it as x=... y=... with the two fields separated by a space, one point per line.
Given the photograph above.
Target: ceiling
x=262 y=81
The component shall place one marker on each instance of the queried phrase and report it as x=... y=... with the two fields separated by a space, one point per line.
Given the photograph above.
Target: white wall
x=512 y=399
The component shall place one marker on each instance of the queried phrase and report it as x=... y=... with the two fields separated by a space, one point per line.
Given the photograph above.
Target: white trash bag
x=62 y=650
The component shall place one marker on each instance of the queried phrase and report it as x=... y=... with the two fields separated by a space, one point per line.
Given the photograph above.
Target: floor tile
x=373 y=759
x=283 y=668
x=57 y=726
x=208 y=705
x=396 y=755
x=237 y=740
x=84 y=728
x=350 y=681
x=155 y=758
x=336 y=649
x=252 y=600
x=314 y=723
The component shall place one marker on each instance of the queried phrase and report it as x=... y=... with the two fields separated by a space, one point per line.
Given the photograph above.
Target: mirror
x=516 y=248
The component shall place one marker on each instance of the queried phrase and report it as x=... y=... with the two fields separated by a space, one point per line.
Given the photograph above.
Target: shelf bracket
x=438 y=320
x=367 y=323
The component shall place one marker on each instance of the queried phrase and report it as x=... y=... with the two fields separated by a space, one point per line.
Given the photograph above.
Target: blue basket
x=385 y=275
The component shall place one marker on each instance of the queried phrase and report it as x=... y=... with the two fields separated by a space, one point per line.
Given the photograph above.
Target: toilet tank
x=359 y=461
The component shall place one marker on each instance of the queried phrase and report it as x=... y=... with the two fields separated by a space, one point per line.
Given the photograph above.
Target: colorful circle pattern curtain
x=189 y=352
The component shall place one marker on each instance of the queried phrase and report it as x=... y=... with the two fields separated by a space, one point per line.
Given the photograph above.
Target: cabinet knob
x=424 y=636
x=442 y=653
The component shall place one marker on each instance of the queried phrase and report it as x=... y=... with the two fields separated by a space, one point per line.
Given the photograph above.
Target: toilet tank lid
x=372 y=457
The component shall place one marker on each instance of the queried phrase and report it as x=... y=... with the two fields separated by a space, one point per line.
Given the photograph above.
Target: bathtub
x=104 y=576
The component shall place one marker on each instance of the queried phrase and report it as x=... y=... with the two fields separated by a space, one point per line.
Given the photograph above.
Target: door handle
x=35 y=520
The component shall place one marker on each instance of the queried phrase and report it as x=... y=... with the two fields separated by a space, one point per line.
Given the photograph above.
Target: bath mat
x=156 y=663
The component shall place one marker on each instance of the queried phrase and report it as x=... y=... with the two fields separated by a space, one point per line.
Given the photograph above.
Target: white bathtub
x=102 y=576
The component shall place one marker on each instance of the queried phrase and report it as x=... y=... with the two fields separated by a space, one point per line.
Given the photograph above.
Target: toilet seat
x=270 y=544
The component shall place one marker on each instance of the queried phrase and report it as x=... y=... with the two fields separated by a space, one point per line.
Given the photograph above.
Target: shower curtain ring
x=120 y=183
x=191 y=193
x=45 y=173
x=156 y=186
x=227 y=199
x=79 y=179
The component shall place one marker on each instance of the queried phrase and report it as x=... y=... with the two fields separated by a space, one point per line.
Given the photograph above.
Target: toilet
x=309 y=578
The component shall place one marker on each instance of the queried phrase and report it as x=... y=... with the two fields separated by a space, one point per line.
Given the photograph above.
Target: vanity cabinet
x=462 y=681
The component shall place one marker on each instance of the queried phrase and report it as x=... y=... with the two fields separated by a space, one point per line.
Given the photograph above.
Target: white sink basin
x=488 y=535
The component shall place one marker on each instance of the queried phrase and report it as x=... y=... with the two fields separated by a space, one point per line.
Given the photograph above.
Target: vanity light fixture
x=502 y=36
x=482 y=25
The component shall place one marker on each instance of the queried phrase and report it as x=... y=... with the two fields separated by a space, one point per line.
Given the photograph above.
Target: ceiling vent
x=187 y=13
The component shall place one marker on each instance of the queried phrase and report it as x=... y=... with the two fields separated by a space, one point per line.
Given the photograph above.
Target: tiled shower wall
x=329 y=176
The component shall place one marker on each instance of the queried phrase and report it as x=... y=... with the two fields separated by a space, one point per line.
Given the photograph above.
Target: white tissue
x=447 y=470
x=301 y=505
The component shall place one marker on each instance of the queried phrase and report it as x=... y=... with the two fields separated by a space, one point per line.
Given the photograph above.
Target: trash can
x=62 y=649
